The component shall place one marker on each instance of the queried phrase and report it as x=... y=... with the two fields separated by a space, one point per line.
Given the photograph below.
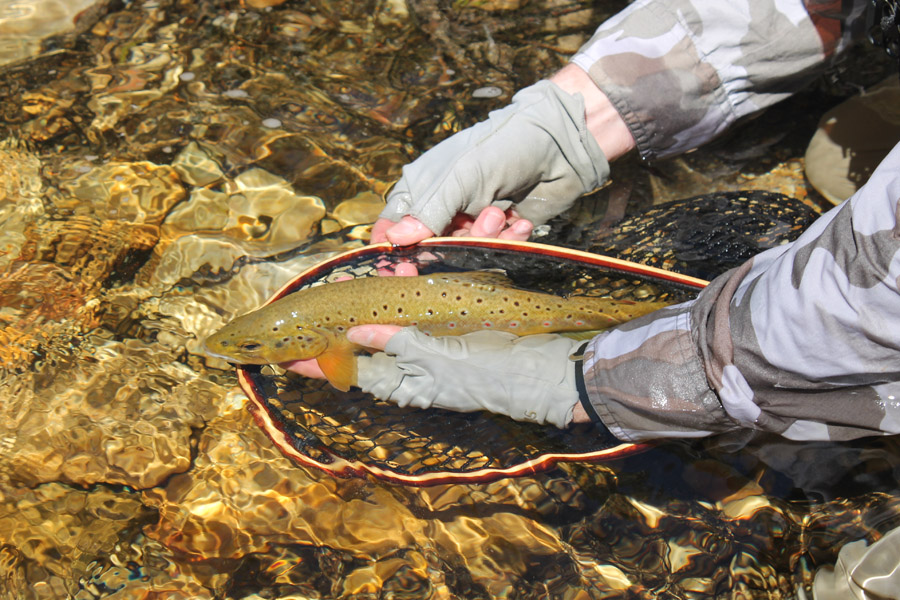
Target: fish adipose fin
x=338 y=363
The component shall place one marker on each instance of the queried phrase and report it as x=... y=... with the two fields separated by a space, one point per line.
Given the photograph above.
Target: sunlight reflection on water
x=168 y=165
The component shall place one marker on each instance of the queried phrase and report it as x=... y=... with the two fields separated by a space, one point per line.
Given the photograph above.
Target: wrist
x=602 y=119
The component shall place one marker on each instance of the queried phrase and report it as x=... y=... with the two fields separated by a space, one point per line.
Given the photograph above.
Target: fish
x=312 y=322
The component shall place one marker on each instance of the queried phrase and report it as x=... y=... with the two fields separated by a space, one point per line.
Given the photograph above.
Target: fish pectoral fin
x=338 y=363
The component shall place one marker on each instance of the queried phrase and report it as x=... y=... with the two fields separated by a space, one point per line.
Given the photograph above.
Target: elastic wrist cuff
x=580 y=386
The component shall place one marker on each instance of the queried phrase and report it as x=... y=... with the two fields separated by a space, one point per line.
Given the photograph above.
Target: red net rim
x=338 y=466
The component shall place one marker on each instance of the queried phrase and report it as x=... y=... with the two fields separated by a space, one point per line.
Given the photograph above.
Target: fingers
x=372 y=336
x=379 y=229
x=494 y=223
x=517 y=229
x=405 y=269
x=406 y=232
x=491 y=223
x=307 y=368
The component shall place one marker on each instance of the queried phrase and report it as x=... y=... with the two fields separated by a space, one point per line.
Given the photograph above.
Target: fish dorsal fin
x=338 y=363
x=478 y=278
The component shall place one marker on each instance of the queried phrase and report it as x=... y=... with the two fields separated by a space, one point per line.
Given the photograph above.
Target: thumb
x=407 y=231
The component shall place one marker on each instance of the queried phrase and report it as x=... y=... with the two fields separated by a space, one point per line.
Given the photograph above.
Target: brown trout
x=311 y=323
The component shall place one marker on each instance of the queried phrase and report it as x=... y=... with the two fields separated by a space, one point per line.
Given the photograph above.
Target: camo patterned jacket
x=804 y=339
x=680 y=72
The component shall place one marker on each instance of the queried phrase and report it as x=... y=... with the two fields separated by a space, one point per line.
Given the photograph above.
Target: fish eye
x=250 y=346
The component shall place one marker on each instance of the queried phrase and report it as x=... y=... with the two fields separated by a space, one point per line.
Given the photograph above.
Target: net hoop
x=338 y=466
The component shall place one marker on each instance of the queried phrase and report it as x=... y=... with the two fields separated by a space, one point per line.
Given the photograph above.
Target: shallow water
x=167 y=164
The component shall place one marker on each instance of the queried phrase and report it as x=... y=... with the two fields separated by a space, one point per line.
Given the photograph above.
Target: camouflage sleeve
x=680 y=72
x=802 y=340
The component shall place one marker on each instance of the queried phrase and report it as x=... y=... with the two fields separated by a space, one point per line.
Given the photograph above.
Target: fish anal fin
x=582 y=336
x=338 y=363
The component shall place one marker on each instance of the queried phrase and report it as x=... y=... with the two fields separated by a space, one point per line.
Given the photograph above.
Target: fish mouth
x=225 y=357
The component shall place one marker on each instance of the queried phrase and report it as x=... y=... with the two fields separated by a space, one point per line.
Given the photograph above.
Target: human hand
x=529 y=378
x=537 y=153
x=490 y=223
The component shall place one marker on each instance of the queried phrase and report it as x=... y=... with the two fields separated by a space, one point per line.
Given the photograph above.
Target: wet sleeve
x=680 y=72
x=801 y=341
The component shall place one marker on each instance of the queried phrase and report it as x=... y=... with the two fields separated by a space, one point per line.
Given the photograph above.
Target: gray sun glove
x=527 y=378
x=536 y=152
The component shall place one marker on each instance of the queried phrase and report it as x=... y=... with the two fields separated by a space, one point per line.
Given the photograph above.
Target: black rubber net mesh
x=706 y=235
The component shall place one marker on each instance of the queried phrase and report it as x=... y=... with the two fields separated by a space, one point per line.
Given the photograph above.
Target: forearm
x=800 y=341
x=680 y=73
x=602 y=119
